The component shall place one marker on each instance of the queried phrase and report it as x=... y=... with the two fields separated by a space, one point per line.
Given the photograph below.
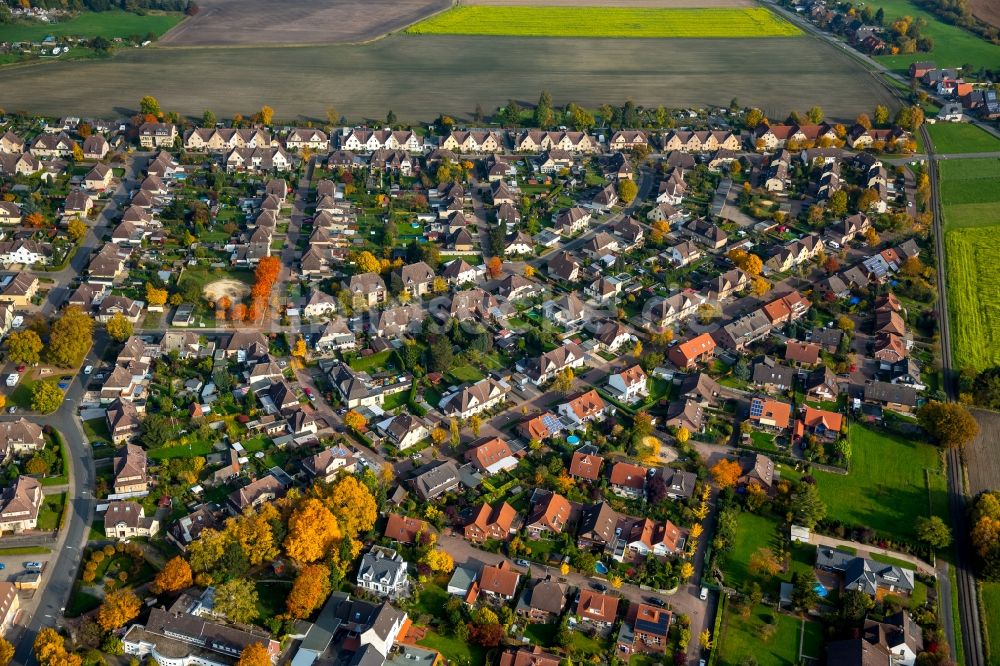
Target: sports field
x=419 y=77
x=621 y=22
x=962 y=138
x=92 y=24
x=953 y=46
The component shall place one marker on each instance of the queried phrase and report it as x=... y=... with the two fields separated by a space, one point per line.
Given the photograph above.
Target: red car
x=309 y=393
x=22 y=368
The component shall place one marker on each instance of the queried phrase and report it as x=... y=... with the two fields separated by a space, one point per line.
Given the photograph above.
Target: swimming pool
x=601 y=568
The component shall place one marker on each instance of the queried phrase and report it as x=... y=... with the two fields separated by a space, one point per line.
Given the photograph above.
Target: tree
x=50 y=649
x=355 y=421
x=439 y=561
x=494 y=266
x=750 y=264
x=760 y=286
x=838 y=203
x=949 y=423
x=754 y=118
x=34 y=219
x=352 y=505
x=529 y=271
x=807 y=506
x=475 y=423
x=764 y=561
x=255 y=654
x=6 y=652
x=149 y=106
x=45 y=397
x=367 y=263
x=726 y=473
x=687 y=570
x=312 y=529
x=266 y=115
x=175 y=576
x=804 y=593
x=933 y=531
x=563 y=381
x=119 y=327
x=705 y=639
x=854 y=605
x=71 y=338
x=311 y=588
x=815 y=115
x=207 y=549
x=299 y=349
x=543 y=111
x=871 y=236
x=454 y=433
x=208 y=119
x=118 y=608
x=881 y=115
x=76 y=229
x=439 y=436
x=254 y=534
x=24 y=347
x=236 y=599
x=682 y=435
x=864 y=121
x=627 y=190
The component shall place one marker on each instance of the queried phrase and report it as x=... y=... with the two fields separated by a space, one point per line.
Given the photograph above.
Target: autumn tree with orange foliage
x=494 y=266
x=726 y=473
x=118 y=608
x=312 y=529
x=255 y=654
x=239 y=312
x=36 y=220
x=311 y=588
x=175 y=576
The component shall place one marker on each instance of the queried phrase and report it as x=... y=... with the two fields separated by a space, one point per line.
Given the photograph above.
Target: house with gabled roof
x=699 y=349
x=628 y=479
x=543 y=600
x=491 y=455
x=630 y=384
x=550 y=514
x=597 y=608
x=499 y=581
x=584 y=408
x=474 y=399
x=491 y=522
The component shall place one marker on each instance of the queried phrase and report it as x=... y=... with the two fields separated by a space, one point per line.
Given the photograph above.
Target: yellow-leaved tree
x=312 y=530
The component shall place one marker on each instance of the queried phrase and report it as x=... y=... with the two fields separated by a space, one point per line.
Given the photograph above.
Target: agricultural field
x=953 y=46
x=962 y=138
x=405 y=73
x=986 y=11
x=623 y=22
x=982 y=462
x=973 y=255
x=970 y=203
x=880 y=492
x=259 y=22
x=92 y=24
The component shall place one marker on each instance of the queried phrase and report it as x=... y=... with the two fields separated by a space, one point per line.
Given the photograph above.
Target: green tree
x=543 y=111
x=949 y=423
x=148 y=105
x=24 y=347
x=754 y=118
x=155 y=431
x=815 y=115
x=208 y=119
x=881 y=116
x=237 y=600
x=933 y=531
x=71 y=338
x=854 y=605
x=46 y=397
x=807 y=506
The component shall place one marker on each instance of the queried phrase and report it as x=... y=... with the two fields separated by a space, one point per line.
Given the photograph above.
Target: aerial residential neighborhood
x=603 y=381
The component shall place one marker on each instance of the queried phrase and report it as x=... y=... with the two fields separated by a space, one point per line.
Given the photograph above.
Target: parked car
x=13 y=378
x=704 y=594
x=33 y=565
x=89 y=369
x=600 y=587
x=656 y=601
x=21 y=368
x=522 y=563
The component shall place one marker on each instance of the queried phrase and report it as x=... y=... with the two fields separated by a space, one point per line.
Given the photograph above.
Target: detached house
x=416 y=279
x=157 y=135
x=628 y=480
x=499 y=582
x=629 y=385
x=596 y=608
x=19 y=505
x=130 y=476
x=687 y=354
x=545 y=368
x=496 y=522
x=584 y=408
x=491 y=455
x=477 y=398
x=543 y=601
x=383 y=572
x=550 y=514
x=127 y=520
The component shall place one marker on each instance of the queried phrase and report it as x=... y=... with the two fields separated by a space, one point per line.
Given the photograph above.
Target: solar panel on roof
x=756 y=408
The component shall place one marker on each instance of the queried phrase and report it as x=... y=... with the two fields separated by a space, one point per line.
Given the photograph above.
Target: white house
x=383 y=572
x=629 y=385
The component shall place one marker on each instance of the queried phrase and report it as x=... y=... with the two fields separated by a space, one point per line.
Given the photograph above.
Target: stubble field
x=614 y=22
x=419 y=77
x=298 y=23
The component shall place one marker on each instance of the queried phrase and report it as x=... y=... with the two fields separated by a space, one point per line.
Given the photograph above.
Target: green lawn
x=181 y=451
x=541 y=634
x=97 y=430
x=81 y=602
x=396 y=400
x=625 y=22
x=455 y=651
x=953 y=46
x=51 y=511
x=92 y=24
x=885 y=489
x=991 y=602
x=466 y=373
x=370 y=363
x=25 y=550
x=772 y=638
x=752 y=532
x=271 y=598
x=961 y=138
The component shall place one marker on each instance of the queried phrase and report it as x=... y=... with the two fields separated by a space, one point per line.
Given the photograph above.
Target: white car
x=18 y=321
x=13 y=378
x=835 y=245
x=89 y=369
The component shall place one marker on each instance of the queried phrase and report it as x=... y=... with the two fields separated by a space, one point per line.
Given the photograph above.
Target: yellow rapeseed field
x=619 y=22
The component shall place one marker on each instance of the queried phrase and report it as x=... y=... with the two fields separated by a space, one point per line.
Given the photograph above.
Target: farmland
x=962 y=138
x=982 y=462
x=623 y=22
x=417 y=77
x=953 y=46
x=973 y=300
x=970 y=202
x=92 y=24
x=260 y=22
x=881 y=493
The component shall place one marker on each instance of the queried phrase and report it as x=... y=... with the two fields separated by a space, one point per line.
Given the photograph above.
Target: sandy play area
x=233 y=289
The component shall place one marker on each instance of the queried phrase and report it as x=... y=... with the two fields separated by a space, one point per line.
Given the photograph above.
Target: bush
x=109 y=550
x=97 y=557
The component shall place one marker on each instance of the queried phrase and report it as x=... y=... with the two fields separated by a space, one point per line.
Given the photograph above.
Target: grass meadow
x=991 y=600
x=953 y=46
x=962 y=138
x=771 y=638
x=886 y=487
x=970 y=203
x=626 y=22
x=92 y=24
